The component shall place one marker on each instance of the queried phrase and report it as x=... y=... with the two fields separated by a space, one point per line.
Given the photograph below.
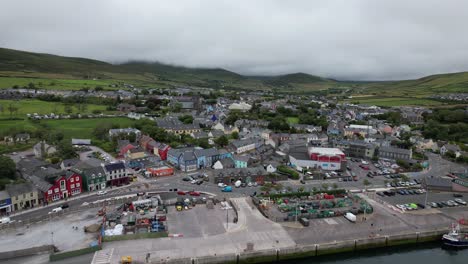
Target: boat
x=455 y=238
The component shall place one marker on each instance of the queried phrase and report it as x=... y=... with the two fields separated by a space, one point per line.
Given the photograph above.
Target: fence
x=26 y=252
x=74 y=253
x=301 y=251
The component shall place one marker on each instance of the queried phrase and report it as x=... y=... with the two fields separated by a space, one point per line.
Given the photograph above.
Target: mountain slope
x=15 y=63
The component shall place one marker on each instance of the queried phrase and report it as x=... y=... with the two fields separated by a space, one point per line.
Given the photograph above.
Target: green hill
x=58 y=72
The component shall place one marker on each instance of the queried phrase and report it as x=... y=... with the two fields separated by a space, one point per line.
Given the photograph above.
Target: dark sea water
x=426 y=254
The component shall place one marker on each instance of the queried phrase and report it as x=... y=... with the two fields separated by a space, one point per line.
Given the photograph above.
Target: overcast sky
x=353 y=40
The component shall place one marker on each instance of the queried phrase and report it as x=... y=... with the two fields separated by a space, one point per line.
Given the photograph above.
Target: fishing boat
x=455 y=238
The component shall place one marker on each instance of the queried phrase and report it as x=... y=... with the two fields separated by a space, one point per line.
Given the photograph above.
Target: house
x=188 y=161
x=206 y=157
x=242 y=106
x=126 y=108
x=147 y=143
x=81 y=142
x=116 y=174
x=160 y=171
x=69 y=163
x=135 y=153
x=241 y=161
x=393 y=153
x=94 y=178
x=270 y=168
x=447 y=148
x=123 y=146
x=5 y=203
x=22 y=196
x=174 y=125
x=124 y=131
x=218 y=126
x=57 y=187
x=42 y=150
x=241 y=146
x=224 y=164
x=163 y=150
x=246 y=175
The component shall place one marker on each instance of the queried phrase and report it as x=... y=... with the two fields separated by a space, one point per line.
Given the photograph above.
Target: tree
x=12 y=109
x=68 y=109
x=7 y=167
x=65 y=150
x=222 y=141
x=324 y=186
x=235 y=135
x=335 y=186
x=101 y=130
x=186 y=119
x=366 y=183
x=31 y=86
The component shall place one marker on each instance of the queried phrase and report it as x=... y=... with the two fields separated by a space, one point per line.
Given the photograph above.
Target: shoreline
x=317 y=250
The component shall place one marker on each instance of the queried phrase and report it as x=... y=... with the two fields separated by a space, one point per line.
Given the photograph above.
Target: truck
x=227 y=189
x=351 y=217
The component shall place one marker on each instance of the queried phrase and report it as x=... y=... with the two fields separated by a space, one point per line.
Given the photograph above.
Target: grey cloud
x=358 y=40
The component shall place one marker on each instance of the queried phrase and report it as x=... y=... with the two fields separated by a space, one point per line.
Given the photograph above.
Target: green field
x=394 y=101
x=31 y=106
x=292 y=120
x=83 y=128
x=54 y=84
x=78 y=128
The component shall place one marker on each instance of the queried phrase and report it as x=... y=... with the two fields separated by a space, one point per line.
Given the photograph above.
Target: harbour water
x=430 y=253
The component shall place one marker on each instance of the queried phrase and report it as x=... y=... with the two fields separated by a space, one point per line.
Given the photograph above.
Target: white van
x=5 y=220
x=56 y=210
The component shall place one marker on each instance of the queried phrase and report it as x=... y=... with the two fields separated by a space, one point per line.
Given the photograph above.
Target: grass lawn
x=83 y=128
x=30 y=106
x=292 y=120
x=394 y=101
x=77 y=128
x=54 y=84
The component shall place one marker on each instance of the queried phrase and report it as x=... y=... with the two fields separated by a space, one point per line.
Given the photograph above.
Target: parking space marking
x=330 y=221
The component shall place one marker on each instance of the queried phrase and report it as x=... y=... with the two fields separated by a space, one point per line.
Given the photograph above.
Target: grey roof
x=115 y=166
x=240 y=143
x=86 y=164
x=241 y=158
x=94 y=170
x=70 y=162
x=189 y=155
x=206 y=152
x=227 y=162
x=20 y=188
x=28 y=165
x=240 y=172
x=394 y=150
x=77 y=141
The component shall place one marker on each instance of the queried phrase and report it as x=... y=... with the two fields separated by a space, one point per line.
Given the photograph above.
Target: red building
x=162 y=151
x=161 y=171
x=64 y=186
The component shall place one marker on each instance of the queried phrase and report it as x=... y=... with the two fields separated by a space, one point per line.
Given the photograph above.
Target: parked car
x=56 y=210
x=458 y=195
x=181 y=193
x=194 y=193
x=187 y=179
x=102 y=192
x=65 y=206
x=460 y=201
